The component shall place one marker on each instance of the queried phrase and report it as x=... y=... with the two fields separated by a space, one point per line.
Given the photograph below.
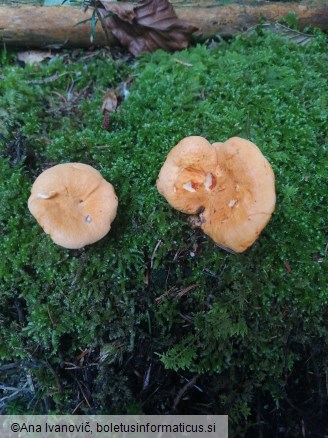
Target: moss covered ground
x=119 y=327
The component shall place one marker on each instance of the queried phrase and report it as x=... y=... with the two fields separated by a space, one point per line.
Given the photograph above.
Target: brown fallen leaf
x=109 y=105
x=33 y=56
x=124 y=10
x=146 y=26
x=110 y=102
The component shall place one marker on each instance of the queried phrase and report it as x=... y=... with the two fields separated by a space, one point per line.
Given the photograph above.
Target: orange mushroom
x=74 y=204
x=230 y=186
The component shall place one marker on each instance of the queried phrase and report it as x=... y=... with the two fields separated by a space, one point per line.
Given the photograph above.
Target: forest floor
x=155 y=318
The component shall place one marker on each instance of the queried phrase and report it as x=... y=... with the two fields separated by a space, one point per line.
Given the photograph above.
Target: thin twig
x=52 y=321
x=68 y=106
x=174 y=292
x=181 y=62
x=79 y=367
x=147 y=378
x=167 y=277
x=13 y=395
x=53 y=372
x=150 y=396
x=158 y=244
x=47 y=80
x=187 y=318
x=77 y=407
x=183 y=390
x=8 y=388
x=84 y=396
x=103 y=25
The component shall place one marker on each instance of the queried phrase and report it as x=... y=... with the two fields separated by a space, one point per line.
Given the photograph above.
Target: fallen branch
x=44 y=27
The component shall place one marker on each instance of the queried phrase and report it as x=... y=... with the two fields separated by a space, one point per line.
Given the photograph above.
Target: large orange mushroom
x=230 y=186
x=74 y=204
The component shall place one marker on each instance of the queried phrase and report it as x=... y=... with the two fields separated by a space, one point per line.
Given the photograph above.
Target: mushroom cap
x=231 y=186
x=74 y=204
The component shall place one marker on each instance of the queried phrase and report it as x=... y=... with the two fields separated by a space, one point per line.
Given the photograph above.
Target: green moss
x=250 y=313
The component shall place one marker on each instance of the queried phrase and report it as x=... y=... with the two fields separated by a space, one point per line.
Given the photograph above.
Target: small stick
x=225 y=248
x=83 y=393
x=52 y=321
x=53 y=372
x=77 y=407
x=183 y=63
x=184 y=389
x=47 y=80
x=158 y=244
x=103 y=25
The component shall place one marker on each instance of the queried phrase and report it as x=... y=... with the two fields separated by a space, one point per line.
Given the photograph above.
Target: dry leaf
x=146 y=26
x=110 y=102
x=109 y=105
x=33 y=56
x=124 y=10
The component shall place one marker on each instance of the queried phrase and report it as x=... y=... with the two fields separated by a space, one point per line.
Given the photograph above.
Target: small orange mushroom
x=230 y=186
x=74 y=204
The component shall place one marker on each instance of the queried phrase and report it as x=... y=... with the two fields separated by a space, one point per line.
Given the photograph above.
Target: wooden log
x=229 y=20
x=40 y=27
